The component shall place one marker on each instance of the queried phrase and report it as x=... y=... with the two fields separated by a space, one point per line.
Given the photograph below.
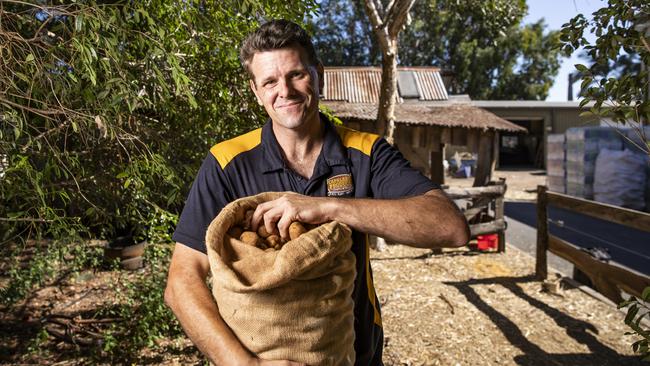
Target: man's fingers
x=283 y=226
x=271 y=217
x=258 y=215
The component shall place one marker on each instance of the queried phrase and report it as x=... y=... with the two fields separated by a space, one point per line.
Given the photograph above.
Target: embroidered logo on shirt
x=339 y=185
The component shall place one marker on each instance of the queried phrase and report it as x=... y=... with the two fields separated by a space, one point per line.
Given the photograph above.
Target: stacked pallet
x=555 y=163
x=582 y=147
x=638 y=141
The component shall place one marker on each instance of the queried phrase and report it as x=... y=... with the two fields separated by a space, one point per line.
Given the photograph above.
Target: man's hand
x=278 y=214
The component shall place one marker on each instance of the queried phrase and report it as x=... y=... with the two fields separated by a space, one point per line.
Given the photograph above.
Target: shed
x=426 y=117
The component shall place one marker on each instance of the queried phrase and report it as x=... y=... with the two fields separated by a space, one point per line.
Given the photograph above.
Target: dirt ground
x=464 y=308
x=454 y=308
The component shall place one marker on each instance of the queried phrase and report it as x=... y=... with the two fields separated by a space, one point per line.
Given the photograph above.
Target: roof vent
x=406 y=85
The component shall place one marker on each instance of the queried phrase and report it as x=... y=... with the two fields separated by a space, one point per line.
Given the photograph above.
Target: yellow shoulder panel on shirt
x=361 y=141
x=225 y=151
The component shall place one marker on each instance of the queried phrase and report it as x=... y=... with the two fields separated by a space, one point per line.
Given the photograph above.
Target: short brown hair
x=275 y=35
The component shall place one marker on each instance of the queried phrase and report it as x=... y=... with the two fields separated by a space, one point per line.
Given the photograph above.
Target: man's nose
x=286 y=88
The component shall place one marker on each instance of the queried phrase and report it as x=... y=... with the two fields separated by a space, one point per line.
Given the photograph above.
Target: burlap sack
x=292 y=304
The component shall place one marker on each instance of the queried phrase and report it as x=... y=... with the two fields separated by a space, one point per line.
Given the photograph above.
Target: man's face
x=286 y=86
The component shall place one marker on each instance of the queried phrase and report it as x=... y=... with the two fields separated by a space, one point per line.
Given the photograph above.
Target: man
x=344 y=175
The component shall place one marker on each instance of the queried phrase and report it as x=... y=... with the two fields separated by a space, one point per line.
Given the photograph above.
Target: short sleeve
x=392 y=176
x=207 y=197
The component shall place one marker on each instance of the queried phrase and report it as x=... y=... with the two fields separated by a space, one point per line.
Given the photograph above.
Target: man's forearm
x=191 y=301
x=430 y=220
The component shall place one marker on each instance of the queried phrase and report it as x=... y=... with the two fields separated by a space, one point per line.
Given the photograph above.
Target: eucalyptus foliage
x=108 y=108
x=622 y=29
x=483 y=44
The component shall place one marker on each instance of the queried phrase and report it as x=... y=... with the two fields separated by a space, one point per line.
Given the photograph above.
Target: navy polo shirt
x=350 y=164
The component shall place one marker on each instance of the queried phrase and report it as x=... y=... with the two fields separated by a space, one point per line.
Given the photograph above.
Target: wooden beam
x=354 y=125
x=498 y=214
x=541 y=270
x=456 y=193
x=487 y=227
x=437 y=168
x=472 y=140
x=485 y=164
x=623 y=216
x=445 y=135
x=434 y=139
x=608 y=278
x=417 y=136
x=459 y=136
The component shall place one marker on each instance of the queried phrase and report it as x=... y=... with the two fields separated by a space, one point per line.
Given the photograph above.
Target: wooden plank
x=472 y=140
x=417 y=136
x=433 y=138
x=475 y=192
x=608 y=278
x=541 y=269
x=498 y=214
x=624 y=216
x=459 y=136
x=484 y=165
x=445 y=135
x=354 y=125
x=487 y=227
x=437 y=168
x=470 y=213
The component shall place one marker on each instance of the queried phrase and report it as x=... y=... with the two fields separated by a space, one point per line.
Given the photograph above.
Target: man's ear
x=254 y=89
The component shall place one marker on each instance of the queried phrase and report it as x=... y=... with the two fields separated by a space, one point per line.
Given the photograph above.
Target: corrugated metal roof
x=362 y=84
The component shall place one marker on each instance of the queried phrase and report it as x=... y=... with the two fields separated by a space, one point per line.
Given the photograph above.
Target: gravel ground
x=464 y=308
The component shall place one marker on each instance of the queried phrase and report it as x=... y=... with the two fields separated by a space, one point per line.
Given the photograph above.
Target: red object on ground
x=487 y=242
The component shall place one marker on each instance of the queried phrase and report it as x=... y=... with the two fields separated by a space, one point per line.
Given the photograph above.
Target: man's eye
x=268 y=83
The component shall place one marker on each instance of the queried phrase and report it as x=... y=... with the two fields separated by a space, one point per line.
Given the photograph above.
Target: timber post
x=541 y=269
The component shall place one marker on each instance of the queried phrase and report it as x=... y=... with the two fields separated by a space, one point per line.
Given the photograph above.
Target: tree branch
x=396 y=16
x=377 y=24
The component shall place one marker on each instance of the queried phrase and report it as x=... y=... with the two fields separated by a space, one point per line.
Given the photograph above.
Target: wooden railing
x=608 y=278
x=484 y=209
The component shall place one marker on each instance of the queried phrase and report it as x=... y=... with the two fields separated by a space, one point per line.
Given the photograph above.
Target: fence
x=608 y=278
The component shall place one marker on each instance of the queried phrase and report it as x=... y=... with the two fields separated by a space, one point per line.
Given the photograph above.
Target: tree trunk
x=387 y=23
x=388 y=94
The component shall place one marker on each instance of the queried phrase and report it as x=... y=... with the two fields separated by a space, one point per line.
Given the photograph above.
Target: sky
x=556 y=13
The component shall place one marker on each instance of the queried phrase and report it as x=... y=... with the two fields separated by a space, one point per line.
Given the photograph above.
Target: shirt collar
x=333 y=152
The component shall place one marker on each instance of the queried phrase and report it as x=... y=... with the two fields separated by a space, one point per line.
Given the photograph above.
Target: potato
x=261 y=231
x=296 y=229
x=248 y=218
x=235 y=231
x=274 y=240
x=250 y=238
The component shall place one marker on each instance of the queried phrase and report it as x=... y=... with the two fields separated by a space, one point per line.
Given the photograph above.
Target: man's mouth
x=288 y=104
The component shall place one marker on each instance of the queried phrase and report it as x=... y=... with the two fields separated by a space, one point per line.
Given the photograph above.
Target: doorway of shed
x=523 y=150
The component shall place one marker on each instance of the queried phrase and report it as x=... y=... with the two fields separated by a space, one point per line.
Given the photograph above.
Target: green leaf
x=582 y=68
x=646 y=294
x=22 y=76
x=29 y=58
x=78 y=22
x=631 y=313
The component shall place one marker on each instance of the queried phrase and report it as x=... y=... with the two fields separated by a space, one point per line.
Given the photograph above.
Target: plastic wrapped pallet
x=638 y=141
x=582 y=147
x=556 y=163
x=620 y=179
